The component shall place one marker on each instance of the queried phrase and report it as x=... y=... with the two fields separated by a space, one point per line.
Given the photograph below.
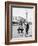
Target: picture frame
x=18 y=18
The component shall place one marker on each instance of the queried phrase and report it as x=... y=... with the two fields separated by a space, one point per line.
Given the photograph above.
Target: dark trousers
x=27 y=30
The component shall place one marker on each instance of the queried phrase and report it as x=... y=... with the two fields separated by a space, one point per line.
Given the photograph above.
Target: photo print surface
x=22 y=22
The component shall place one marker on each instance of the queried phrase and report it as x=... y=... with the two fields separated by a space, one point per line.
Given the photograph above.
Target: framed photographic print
x=20 y=22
